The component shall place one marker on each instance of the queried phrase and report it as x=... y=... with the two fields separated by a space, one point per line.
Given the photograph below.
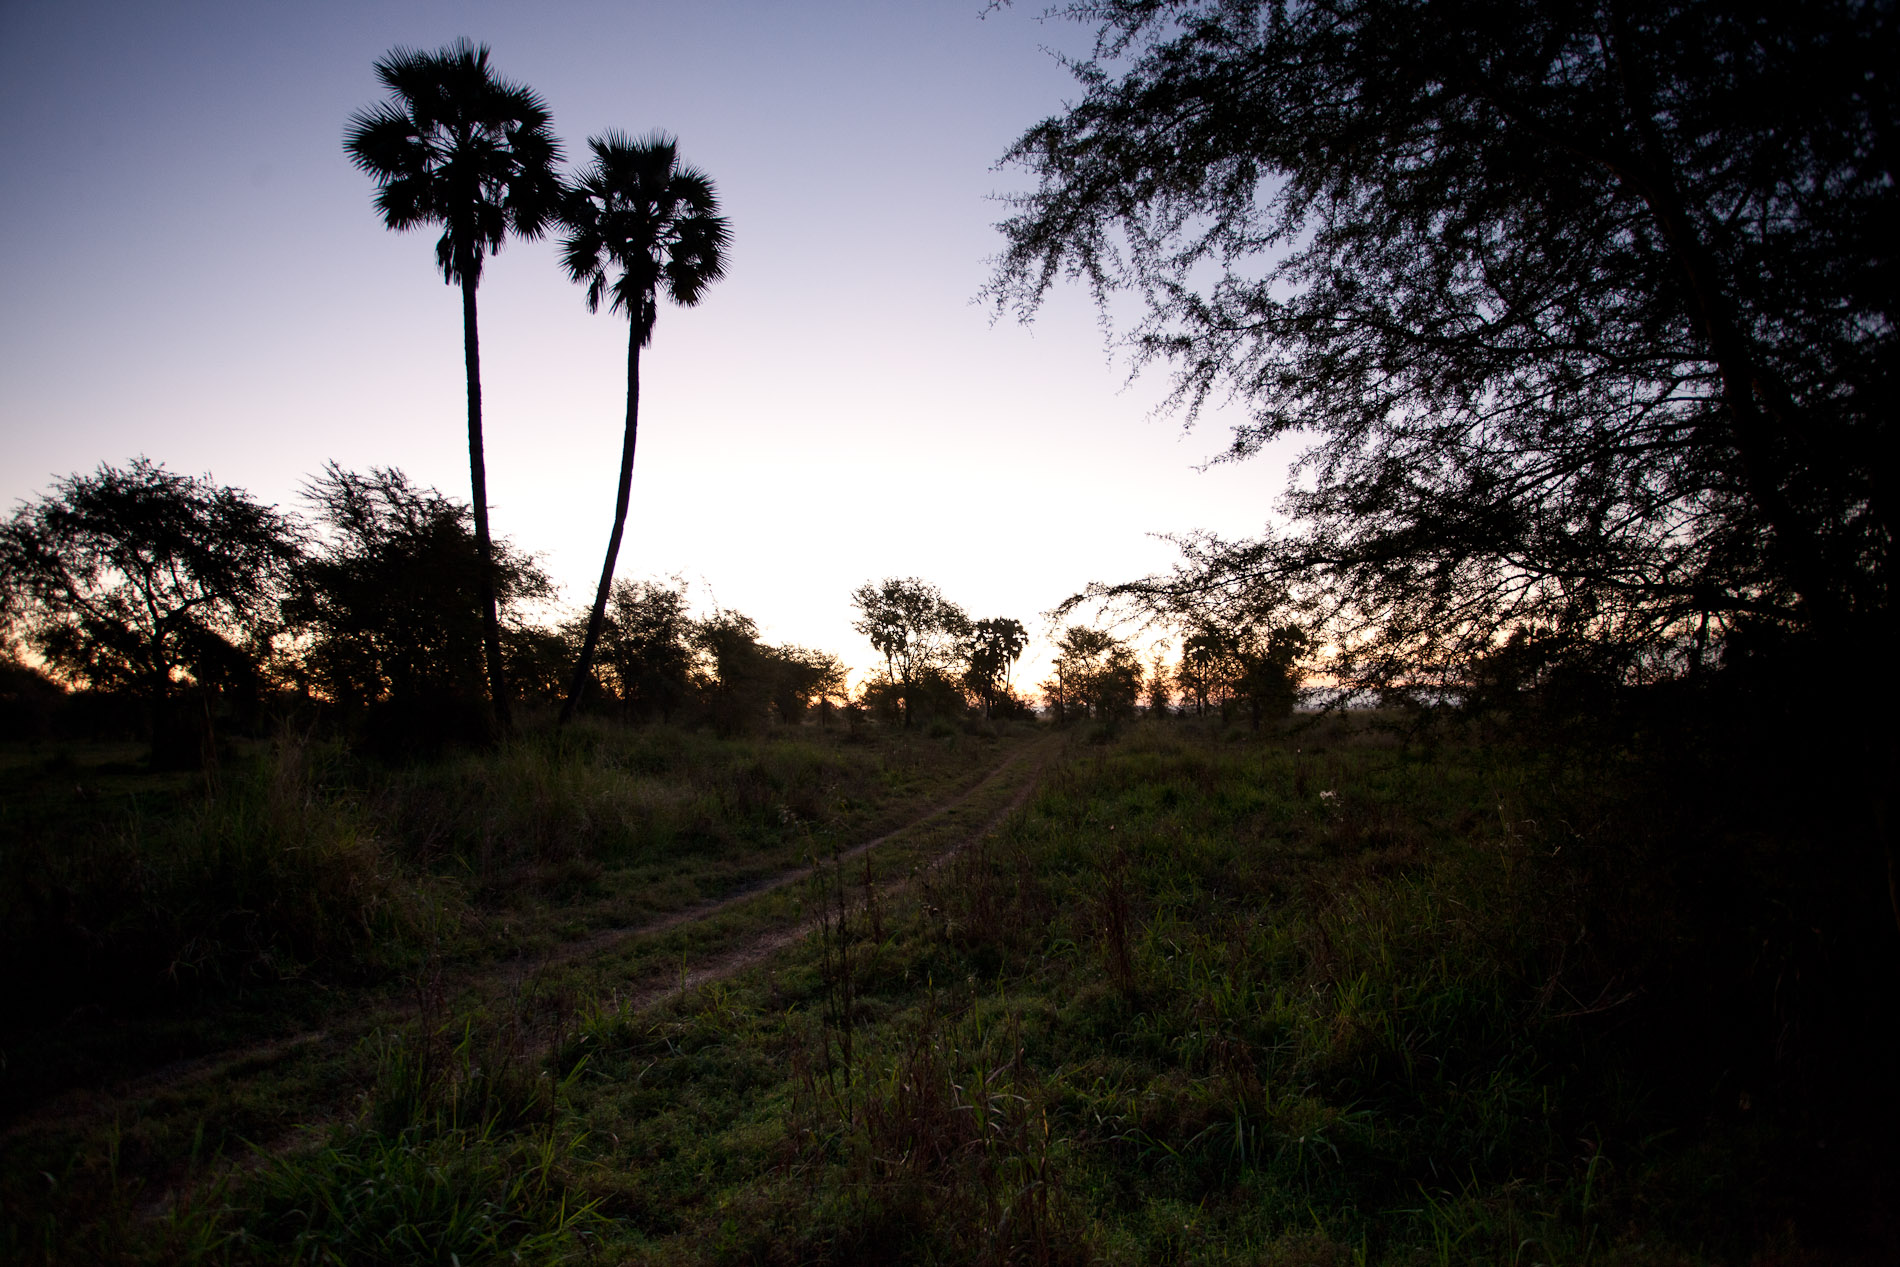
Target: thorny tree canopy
x=1590 y=305
x=139 y=578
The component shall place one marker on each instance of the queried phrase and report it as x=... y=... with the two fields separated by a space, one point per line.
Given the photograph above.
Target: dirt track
x=1003 y=791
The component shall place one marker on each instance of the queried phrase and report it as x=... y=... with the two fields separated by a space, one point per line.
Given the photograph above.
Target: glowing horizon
x=839 y=409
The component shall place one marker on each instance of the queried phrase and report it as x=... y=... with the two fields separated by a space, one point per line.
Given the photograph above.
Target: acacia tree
x=914 y=627
x=457 y=146
x=1590 y=306
x=149 y=582
x=389 y=605
x=638 y=211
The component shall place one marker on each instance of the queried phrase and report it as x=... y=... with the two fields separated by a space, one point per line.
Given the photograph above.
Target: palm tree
x=456 y=146
x=636 y=210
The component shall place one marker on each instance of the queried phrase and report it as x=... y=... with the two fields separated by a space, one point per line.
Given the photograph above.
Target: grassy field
x=1170 y=994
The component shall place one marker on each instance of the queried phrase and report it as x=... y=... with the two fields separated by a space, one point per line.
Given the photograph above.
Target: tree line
x=202 y=607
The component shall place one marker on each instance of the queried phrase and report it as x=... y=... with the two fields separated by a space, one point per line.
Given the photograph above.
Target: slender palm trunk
x=598 y=617
x=484 y=544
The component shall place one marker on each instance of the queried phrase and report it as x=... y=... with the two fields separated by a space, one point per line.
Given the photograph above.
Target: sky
x=192 y=270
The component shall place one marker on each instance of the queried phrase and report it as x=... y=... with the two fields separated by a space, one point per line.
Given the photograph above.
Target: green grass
x=1325 y=998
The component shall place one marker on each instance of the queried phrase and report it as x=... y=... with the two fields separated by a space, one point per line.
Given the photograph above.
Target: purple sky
x=194 y=271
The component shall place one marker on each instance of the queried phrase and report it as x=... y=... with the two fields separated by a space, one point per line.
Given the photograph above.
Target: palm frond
x=636 y=209
x=456 y=145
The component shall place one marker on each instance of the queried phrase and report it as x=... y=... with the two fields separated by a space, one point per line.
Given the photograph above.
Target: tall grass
x=302 y=860
x=465 y=1152
x=265 y=877
x=1324 y=998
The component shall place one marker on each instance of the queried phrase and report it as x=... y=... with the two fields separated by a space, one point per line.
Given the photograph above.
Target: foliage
x=636 y=209
x=990 y=652
x=1257 y=665
x=802 y=677
x=388 y=606
x=1589 y=306
x=141 y=580
x=463 y=1158
x=1096 y=675
x=456 y=145
x=646 y=648
x=125 y=901
x=915 y=628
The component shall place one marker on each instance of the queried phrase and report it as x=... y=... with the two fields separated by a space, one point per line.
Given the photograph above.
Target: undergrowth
x=1328 y=997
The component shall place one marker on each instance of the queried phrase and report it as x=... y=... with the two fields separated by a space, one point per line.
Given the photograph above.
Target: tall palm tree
x=457 y=146
x=637 y=211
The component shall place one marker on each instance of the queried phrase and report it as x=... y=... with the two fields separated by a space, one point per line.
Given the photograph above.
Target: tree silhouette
x=991 y=651
x=390 y=605
x=456 y=146
x=1095 y=675
x=1591 y=306
x=914 y=627
x=146 y=581
x=638 y=212
x=646 y=647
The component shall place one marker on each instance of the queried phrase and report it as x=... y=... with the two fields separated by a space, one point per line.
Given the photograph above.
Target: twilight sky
x=192 y=270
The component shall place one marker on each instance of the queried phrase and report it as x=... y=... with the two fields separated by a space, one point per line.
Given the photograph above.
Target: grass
x=1322 y=998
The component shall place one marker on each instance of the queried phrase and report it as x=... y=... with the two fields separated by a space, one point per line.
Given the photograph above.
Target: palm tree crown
x=638 y=210
x=455 y=145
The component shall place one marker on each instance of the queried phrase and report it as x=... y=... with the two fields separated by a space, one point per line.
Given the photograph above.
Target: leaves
x=137 y=578
x=457 y=146
x=1583 y=306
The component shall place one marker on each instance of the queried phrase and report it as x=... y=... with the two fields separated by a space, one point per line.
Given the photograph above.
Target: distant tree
x=636 y=211
x=1158 y=688
x=1591 y=306
x=1095 y=675
x=456 y=146
x=647 y=648
x=390 y=605
x=801 y=677
x=1206 y=671
x=915 y=628
x=151 y=583
x=1266 y=661
x=990 y=652
x=733 y=671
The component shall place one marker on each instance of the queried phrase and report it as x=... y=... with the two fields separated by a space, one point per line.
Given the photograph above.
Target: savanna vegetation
x=1493 y=862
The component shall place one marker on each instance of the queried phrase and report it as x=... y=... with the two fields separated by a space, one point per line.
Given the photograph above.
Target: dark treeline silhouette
x=936 y=660
x=203 y=610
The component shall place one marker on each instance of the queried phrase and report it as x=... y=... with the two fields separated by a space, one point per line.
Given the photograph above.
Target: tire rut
x=91 y=1104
